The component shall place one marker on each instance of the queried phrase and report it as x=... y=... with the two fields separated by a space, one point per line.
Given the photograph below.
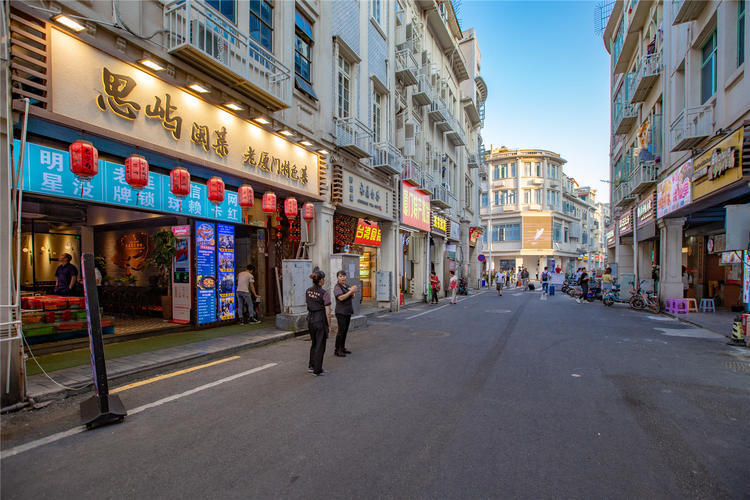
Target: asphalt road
x=507 y=396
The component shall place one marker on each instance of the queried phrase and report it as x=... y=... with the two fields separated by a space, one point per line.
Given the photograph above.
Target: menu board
x=205 y=270
x=181 y=288
x=226 y=271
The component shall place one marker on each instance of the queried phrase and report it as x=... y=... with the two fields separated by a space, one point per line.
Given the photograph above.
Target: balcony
x=687 y=10
x=386 y=157
x=354 y=136
x=406 y=67
x=643 y=177
x=201 y=36
x=691 y=126
x=626 y=116
x=645 y=77
x=422 y=94
x=455 y=131
x=622 y=194
x=483 y=170
x=427 y=182
x=439 y=113
x=471 y=161
x=441 y=197
x=411 y=172
x=471 y=109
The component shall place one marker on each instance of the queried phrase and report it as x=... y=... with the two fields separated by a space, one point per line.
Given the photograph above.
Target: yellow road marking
x=170 y=375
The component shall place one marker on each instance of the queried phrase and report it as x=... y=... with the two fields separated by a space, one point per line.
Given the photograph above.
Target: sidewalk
x=719 y=322
x=215 y=343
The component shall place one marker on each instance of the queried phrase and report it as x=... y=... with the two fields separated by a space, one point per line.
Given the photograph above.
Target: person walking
x=685 y=282
x=66 y=274
x=454 y=287
x=545 y=281
x=434 y=287
x=318 y=311
x=344 y=311
x=500 y=281
x=607 y=280
x=584 y=280
x=246 y=295
x=524 y=278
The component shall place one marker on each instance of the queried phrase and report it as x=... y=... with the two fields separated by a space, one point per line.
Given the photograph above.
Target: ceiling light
x=306 y=143
x=286 y=132
x=233 y=106
x=197 y=87
x=262 y=120
x=69 y=22
x=151 y=64
x=323 y=151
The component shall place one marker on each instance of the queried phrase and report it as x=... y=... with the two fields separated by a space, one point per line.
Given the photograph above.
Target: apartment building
x=680 y=106
x=534 y=215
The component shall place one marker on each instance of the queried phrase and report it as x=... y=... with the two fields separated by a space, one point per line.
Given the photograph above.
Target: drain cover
x=498 y=311
x=431 y=333
x=737 y=366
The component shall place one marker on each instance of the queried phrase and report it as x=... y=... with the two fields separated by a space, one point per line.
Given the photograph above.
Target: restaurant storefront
x=415 y=228
x=172 y=170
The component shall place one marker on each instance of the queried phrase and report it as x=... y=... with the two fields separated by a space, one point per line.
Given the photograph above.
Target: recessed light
x=262 y=120
x=306 y=143
x=197 y=87
x=151 y=64
x=286 y=132
x=323 y=151
x=233 y=106
x=69 y=22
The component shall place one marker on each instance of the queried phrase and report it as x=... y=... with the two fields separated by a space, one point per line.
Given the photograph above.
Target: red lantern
x=246 y=196
x=290 y=208
x=269 y=202
x=179 y=183
x=308 y=211
x=84 y=161
x=136 y=174
x=215 y=187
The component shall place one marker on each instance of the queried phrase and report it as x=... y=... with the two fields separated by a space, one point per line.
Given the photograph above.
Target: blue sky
x=547 y=75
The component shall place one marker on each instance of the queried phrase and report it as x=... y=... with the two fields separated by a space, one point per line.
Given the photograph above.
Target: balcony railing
x=354 y=136
x=645 y=76
x=423 y=91
x=471 y=161
x=406 y=67
x=442 y=197
x=622 y=193
x=203 y=37
x=411 y=172
x=625 y=117
x=455 y=131
x=439 y=112
x=386 y=157
x=643 y=177
x=691 y=126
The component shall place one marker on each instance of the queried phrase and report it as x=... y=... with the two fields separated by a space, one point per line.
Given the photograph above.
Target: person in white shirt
x=246 y=295
x=454 y=287
x=499 y=281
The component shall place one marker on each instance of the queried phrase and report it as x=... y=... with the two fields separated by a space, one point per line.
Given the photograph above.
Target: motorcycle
x=612 y=295
x=463 y=288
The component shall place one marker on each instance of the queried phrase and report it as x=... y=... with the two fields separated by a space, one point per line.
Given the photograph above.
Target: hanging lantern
x=84 y=161
x=308 y=211
x=215 y=188
x=246 y=196
x=136 y=174
x=179 y=183
x=290 y=208
x=269 y=202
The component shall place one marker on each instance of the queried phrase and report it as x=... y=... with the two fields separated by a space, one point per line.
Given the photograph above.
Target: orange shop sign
x=415 y=207
x=368 y=233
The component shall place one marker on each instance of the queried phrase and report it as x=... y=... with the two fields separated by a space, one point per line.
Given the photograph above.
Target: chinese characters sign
x=611 y=240
x=47 y=172
x=125 y=100
x=625 y=224
x=674 y=191
x=720 y=166
x=439 y=224
x=365 y=196
x=415 y=210
x=368 y=233
x=645 y=211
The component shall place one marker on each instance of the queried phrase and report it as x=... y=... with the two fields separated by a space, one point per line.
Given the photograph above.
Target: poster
x=674 y=191
x=226 y=271
x=746 y=279
x=181 y=289
x=205 y=271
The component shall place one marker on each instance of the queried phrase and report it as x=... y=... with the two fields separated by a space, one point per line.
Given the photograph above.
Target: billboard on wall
x=537 y=232
x=205 y=272
x=674 y=191
x=415 y=207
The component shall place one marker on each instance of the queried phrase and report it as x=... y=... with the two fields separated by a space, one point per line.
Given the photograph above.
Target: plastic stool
x=676 y=306
x=692 y=305
x=707 y=305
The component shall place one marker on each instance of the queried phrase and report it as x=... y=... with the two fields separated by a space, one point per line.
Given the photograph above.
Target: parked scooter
x=463 y=288
x=613 y=295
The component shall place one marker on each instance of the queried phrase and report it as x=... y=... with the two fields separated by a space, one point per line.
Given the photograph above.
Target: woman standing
x=435 y=286
x=344 y=311
x=454 y=287
x=319 y=309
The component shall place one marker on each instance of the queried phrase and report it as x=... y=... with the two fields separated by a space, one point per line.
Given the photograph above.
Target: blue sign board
x=226 y=272
x=47 y=171
x=205 y=271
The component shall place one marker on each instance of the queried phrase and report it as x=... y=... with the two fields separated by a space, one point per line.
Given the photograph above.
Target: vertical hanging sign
x=181 y=289
x=205 y=271
x=226 y=271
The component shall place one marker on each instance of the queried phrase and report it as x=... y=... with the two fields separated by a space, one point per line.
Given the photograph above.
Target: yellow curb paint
x=170 y=375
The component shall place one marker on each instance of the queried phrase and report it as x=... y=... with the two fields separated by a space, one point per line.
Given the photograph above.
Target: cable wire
x=47 y=374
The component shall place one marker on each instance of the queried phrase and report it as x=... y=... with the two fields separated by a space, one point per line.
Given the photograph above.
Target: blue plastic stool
x=551 y=289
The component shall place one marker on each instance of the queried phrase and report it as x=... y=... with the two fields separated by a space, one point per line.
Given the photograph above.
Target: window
x=498 y=198
x=526 y=196
x=504 y=170
x=511 y=197
x=485 y=200
x=506 y=232
x=513 y=169
x=377 y=116
x=495 y=172
x=585 y=238
x=538 y=196
x=740 y=32
x=527 y=169
x=377 y=11
x=557 y=232
x=303 y=40
x=261 y=23
x=344 y=84
x=225 y=7
x=538 y=169
x=565 y=234
x=708 y=68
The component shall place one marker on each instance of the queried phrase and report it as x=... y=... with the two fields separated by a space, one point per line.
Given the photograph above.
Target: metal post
x=633 y=214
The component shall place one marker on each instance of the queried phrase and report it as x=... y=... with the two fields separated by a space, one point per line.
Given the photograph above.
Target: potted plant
x=161 y=258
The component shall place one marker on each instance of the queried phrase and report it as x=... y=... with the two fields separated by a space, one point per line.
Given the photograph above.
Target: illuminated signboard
x=415 y=208
x=439 y=224
x=674 y=192
x=368 y=233
x=625 y=225
x=645 y=211
x=611 y=240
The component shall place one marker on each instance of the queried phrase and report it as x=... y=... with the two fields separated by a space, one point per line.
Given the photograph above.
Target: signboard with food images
x=205 y=270
x=226 y=272
x=674 y=192
x=720 y=166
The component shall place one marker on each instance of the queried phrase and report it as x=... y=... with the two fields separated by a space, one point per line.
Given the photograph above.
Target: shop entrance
x=368 y=265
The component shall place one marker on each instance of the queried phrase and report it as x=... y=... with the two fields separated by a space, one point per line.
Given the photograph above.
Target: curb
x=693 y=323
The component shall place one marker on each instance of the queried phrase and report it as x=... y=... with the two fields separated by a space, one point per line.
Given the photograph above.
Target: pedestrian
x=246 y=295
x=66 y=274
x=454 y=287
x=344 y=311
x=584 y=279
x=524 y=278
x=545 y=280
x=434 y=287
x=500 y=281
x=685 y=282
x=318 y=311
x=607 y=280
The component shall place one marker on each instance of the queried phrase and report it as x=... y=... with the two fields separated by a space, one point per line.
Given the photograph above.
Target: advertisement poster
x=205 y=271
x=746 y=280
x=181 y=289
x=674 y=191
x=416 y=208
x=368 y=233
x=537 y=232
x=226 y=271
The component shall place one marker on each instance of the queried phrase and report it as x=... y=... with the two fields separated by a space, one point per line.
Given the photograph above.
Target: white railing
x=192 y=23
x=351 y=132
x=441 y=194
x=411 y=171
x=649 y=65
x=623 y=111
x=644 y=174
x=386 y=155
x=471 y=160
x=438 y=107
x=692 y=124
x=405 y=60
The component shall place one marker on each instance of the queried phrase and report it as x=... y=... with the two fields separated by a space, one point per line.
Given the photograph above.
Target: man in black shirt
x=66 y=275
x=584 y=279
x=344 y=311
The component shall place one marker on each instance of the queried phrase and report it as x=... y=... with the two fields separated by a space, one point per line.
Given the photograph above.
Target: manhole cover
x=498 y=311
x=737 y=366
x=431 y=333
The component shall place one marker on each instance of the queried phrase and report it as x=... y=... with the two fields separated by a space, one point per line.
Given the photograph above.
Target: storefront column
x=644 y=260
x=464 y=252
x=624 y=256
x=390 y=247
x=87 y=240
x=670 y=274
x=322 y=237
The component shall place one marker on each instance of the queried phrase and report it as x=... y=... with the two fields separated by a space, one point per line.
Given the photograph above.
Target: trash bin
x=551 y=289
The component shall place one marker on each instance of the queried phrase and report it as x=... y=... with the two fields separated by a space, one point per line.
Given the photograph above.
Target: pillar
x=670 y=272
x=87 y=239
x=390 y=248
x=321 y=239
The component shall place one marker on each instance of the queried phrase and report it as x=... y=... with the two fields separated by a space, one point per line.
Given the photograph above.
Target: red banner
x=368 y=233
x=415 y=210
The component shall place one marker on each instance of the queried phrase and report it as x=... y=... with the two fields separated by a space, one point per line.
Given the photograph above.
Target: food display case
x=48 y=318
